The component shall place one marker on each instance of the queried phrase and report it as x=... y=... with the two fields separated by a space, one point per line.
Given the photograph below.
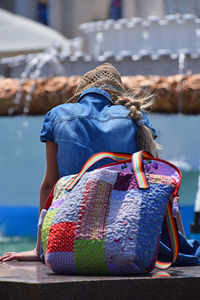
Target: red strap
x=49 y=198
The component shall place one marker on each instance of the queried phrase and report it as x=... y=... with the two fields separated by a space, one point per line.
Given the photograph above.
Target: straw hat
x=105 y=77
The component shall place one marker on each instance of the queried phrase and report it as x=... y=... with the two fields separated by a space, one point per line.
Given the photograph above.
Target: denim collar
x=97 y=91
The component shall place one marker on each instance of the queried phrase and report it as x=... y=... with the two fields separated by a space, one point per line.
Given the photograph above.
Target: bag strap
x=139 y=169
x=95 y=158
x=49 y=199
x=136 y=162
x=169 y=219
x=173 y=236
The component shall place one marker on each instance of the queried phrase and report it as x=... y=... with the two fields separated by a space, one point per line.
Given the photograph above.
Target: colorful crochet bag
x=108 y=221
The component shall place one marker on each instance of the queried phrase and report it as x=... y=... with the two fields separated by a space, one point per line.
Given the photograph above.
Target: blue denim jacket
x=92 y=125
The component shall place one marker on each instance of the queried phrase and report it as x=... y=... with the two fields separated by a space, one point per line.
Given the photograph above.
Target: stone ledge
x=173 y=94
x=30 y=280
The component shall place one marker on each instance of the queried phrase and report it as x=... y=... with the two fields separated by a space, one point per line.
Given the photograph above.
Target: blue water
x=16 y=244
x=22 y=160
x=19 y=221
x=22 y=165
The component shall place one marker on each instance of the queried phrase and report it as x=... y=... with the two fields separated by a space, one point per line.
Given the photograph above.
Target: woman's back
x=92 y=125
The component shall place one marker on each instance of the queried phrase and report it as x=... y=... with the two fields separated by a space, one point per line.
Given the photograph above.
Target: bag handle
x=138 y=168
x=95 y=158
x=136 y=162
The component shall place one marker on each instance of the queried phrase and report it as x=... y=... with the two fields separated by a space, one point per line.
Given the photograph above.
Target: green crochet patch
x=45 y=227
x=85 y=257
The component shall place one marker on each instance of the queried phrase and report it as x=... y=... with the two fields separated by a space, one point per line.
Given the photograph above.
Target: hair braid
x=144 y=136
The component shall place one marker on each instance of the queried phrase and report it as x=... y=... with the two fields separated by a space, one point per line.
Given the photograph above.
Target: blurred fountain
x=181 y=69
x=181 y=63
x=42 y=65
x=98 y=45
x=146 y=43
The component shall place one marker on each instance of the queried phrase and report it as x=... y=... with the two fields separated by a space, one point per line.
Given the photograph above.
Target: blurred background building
x=157 y=37
x=66 y=15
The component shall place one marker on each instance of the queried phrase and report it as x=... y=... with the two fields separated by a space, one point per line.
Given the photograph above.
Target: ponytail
x=146 y=142
x=145 y=138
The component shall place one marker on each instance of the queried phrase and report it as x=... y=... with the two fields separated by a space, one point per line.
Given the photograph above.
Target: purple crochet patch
x=154 y=258
x=125 y=181
x=56 y=204
x=115 y=205
x=129 y=267
x=59 y=262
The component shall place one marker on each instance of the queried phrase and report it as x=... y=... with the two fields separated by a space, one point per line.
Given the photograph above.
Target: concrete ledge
x=30 y=280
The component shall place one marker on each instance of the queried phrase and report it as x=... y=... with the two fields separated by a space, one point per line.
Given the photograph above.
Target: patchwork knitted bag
x=108 y=221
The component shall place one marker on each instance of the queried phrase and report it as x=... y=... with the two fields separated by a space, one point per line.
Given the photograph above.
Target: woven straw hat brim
x=105 y=77
x=110 y=91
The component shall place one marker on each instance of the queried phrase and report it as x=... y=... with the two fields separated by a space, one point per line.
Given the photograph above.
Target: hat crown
x=105 y=77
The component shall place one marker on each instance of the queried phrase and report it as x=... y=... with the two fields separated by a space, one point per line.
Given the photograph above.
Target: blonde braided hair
x=136 y=102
